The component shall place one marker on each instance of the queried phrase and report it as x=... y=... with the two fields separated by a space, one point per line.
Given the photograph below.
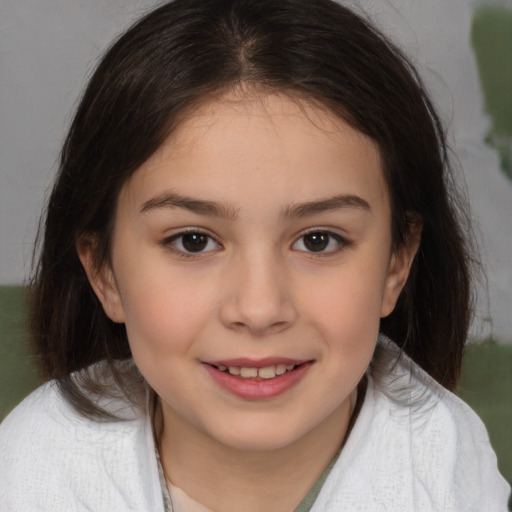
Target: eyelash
x=341 y=242
x=172 y=243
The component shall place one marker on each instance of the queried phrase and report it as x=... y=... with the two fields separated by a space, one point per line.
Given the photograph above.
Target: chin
x=259 y=437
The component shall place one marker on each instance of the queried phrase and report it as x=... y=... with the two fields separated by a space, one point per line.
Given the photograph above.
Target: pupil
x=316 y=241
x=194 y=242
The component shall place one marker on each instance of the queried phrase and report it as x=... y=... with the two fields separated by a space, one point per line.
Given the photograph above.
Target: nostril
x=248 y=309
x=277 y=326
x=268 y=329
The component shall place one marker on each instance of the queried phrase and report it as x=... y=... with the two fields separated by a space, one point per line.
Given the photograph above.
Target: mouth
x=258 y=380
x=257 y=373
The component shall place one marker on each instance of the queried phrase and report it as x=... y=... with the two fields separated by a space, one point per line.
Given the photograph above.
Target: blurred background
x=463 y=50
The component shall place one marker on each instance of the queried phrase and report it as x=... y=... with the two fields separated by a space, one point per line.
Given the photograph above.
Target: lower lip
x=256 y=389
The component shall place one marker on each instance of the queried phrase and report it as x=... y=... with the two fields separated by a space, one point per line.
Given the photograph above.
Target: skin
x=274 y=168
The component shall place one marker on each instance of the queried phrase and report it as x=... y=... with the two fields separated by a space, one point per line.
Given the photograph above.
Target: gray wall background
x=47 y=50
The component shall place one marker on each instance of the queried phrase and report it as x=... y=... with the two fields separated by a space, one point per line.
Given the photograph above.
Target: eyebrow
x=199 y=206
x=326 y=205
x=218 y=209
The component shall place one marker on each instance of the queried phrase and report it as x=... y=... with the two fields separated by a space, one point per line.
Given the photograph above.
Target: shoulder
x=415 y=446
x=53 y=458
x=448 y=450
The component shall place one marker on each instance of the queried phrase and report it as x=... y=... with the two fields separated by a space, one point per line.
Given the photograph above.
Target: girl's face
x=251 y=262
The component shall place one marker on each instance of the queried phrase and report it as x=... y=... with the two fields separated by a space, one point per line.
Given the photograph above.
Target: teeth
x=267 y=372
x=280 y=369
x=248 y=373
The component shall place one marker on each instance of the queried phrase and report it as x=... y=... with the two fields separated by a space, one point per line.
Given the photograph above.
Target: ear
x=400 y=266
x=101 y=279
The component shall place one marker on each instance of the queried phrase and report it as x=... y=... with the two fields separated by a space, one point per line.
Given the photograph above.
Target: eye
x=320 y=242
x=192 y=242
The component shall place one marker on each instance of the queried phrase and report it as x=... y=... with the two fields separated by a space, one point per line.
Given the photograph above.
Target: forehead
x=258 y=113
x=241 y=147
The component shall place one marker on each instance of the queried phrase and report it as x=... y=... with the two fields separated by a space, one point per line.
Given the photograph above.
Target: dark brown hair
x=188 y=50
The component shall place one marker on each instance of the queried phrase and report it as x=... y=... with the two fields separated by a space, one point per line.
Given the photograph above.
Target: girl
x=251 y=204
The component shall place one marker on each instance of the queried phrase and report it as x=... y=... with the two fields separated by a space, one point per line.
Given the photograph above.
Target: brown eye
x=192 y=242
x=316 y=242
x=320 y=242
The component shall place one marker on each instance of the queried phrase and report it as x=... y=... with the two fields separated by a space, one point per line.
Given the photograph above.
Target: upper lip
x=256 y=363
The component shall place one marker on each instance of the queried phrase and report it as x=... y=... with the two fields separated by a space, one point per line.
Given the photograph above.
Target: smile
x=260 y=380
x=264 y=373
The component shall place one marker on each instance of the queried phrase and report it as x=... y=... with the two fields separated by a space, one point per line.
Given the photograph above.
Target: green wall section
x=486 y=385
x=17 y=372
x=491 y=37
x=486 y=380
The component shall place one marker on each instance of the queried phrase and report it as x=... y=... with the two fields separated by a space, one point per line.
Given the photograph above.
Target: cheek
x=349 y=302
x=163 y=315
x=163 y=324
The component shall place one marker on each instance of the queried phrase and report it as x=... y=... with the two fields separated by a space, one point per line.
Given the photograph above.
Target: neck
x=229 y=479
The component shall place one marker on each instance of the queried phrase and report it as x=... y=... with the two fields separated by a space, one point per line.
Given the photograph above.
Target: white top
x=414 y=447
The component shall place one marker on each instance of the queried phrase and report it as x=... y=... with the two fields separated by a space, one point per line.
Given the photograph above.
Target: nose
x=257 y=297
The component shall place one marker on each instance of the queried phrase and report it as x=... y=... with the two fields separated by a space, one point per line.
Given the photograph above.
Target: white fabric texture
x=414 y=447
